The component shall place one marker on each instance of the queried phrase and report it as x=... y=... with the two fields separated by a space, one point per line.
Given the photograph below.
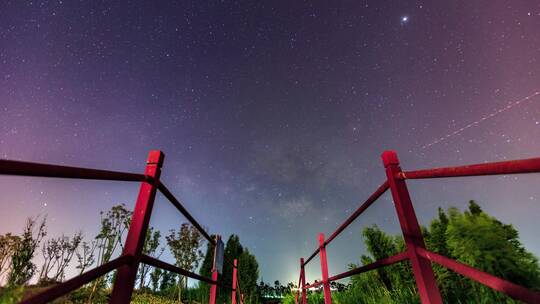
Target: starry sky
x=272 y=114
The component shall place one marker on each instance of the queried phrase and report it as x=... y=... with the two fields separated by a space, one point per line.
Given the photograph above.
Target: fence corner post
x=234 y=278
x=324 y=270
x=412 y=234
x=303 y=281
x=126 y=274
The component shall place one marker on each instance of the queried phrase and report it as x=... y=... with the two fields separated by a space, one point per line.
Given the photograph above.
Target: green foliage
x=185 y=246
x=206 y=271
x=150 y=248
x=114 y=224
x=11 y=294
x=471 y=237
x=481 y=241
x=248 y=273
x=148 y=298
x=22 y=268
x=57 y=254
x=233 y=249
x=85 y=255
x=8 y=245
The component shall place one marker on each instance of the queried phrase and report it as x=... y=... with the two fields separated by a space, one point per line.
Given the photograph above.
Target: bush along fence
x=132 y=255
x=416 y=253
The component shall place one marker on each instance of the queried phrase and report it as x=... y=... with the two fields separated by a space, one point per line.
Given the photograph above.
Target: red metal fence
x=417 y=254
x=132 y=255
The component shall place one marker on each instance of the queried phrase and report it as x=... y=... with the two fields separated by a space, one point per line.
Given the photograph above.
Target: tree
x=483 y=242
x=185 y=246
x=85 y=255
x=206 y=270
x=248 y=270
x=114 y=224
x=155 y=276
x=167 y=280
x=233 y=249
x=150 y=248
x=471 y=237
x=8 y=245
x=22 y=268
x=57 y=254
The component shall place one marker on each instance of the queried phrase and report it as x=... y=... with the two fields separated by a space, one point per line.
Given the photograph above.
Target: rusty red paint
x=324 y=271
x=506 y=167
x=213 y=287
x=233 y=293
x=423 y=273
x=126 y=274
x=303 y=281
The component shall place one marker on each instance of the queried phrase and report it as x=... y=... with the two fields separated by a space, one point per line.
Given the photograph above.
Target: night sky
x=272 y=114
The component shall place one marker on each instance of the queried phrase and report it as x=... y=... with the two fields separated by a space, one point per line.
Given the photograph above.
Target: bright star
x=404 y=19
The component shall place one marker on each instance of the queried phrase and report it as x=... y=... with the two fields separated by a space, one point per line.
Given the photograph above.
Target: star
x=404 y=19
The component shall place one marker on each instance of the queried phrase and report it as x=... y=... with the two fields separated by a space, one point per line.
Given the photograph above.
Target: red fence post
x=324 y=270
x=125 y=276
x=234 y=278
x=213 y=287
x=303 y=281
x=423 y=273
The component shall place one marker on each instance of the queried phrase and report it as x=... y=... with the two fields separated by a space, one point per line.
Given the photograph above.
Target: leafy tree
x=206 y=271
x=483 y=242
x=248 y=274
x=150 y=248
x=114 y=224
x=85 y=255
x=155 y=276
x=233 y=249
x=471 y=237
x=57 y=254
x=185 y=246
x=168 y=280
x=22 y=268
x=8 y=245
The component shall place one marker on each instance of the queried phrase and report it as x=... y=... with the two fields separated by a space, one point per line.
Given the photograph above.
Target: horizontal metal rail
x=316 y=284
x=21 y=168
x=513 y=290
x=380 y=191
x=163 y=265
x=371 y=199
x=377 y=264
x=497 y=168
x=163 y=189
x=70 y=285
